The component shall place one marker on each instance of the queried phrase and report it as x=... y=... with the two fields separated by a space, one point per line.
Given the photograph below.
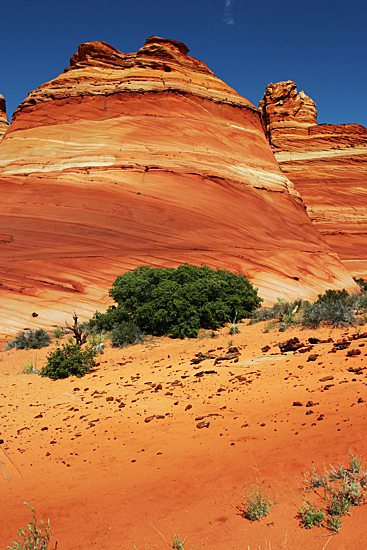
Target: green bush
x=311 y=516
x=30 y=339
x=70 y=360
x=126 y=334
x=105 y=322
x=334 y=524
x=257 y=504
x=339 y=506
x=178 y=302
x=33 y=538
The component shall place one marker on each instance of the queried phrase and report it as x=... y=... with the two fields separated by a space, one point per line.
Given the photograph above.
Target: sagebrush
x=30 y=339
x=126 y=333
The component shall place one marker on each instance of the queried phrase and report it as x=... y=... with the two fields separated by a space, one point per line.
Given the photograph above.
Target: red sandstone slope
x=3 y=118
x=143 y=158
x=328 y=165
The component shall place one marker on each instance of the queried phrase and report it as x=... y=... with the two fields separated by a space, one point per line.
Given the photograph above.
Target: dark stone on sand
x=203 y=424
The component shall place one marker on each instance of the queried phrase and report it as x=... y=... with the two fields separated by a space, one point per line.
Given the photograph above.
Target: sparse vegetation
x=335 y=307
x=257 y=503
x=177 y=302
x=30 y=367
x=311 y=516
x=343 y=487
x=58 y=333
x=33 y=537
x=30 y=339
x=234 y=329
x=269 y=326
x=286 y=313
x=337 y=314
x=178 y=543
x=334 y=524
x=97 y=339
x=69 y=360
x=340 y=506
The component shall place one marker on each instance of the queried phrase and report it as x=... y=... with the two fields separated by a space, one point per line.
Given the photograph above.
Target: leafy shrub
x=257 y=504
x=125 y=334
x=311 y=516
x=178 y=302
x=334 y=524
x=33 y=538
x=105 y=322
x=69 y=360
x=30 y=339
x=340 y=506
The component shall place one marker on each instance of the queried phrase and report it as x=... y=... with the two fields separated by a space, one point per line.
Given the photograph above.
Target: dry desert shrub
x=30 y=339
x=257 y=503
x=343 y=487
x=33 y=537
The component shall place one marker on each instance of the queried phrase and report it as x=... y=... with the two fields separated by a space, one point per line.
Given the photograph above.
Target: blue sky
x=320 y=44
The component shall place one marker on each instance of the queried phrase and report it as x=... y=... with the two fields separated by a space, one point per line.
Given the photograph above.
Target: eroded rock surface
x=3 y=118
x=328 y=165
x=144 y=158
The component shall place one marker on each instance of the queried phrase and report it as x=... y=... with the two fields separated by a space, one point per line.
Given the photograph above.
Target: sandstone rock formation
x=3 y=118
x=328 y=165
x=144 y=158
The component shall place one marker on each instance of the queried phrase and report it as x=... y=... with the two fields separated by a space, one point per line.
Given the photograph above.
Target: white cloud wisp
x=228 y=12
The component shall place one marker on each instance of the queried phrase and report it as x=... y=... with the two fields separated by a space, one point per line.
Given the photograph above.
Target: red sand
x=108 y=479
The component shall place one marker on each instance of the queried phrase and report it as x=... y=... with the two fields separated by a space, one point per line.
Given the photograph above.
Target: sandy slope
x=82 y=452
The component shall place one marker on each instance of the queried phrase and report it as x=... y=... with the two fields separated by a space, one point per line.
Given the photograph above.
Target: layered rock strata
x=3 y=118
x=144 y=158
x=328 y=165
